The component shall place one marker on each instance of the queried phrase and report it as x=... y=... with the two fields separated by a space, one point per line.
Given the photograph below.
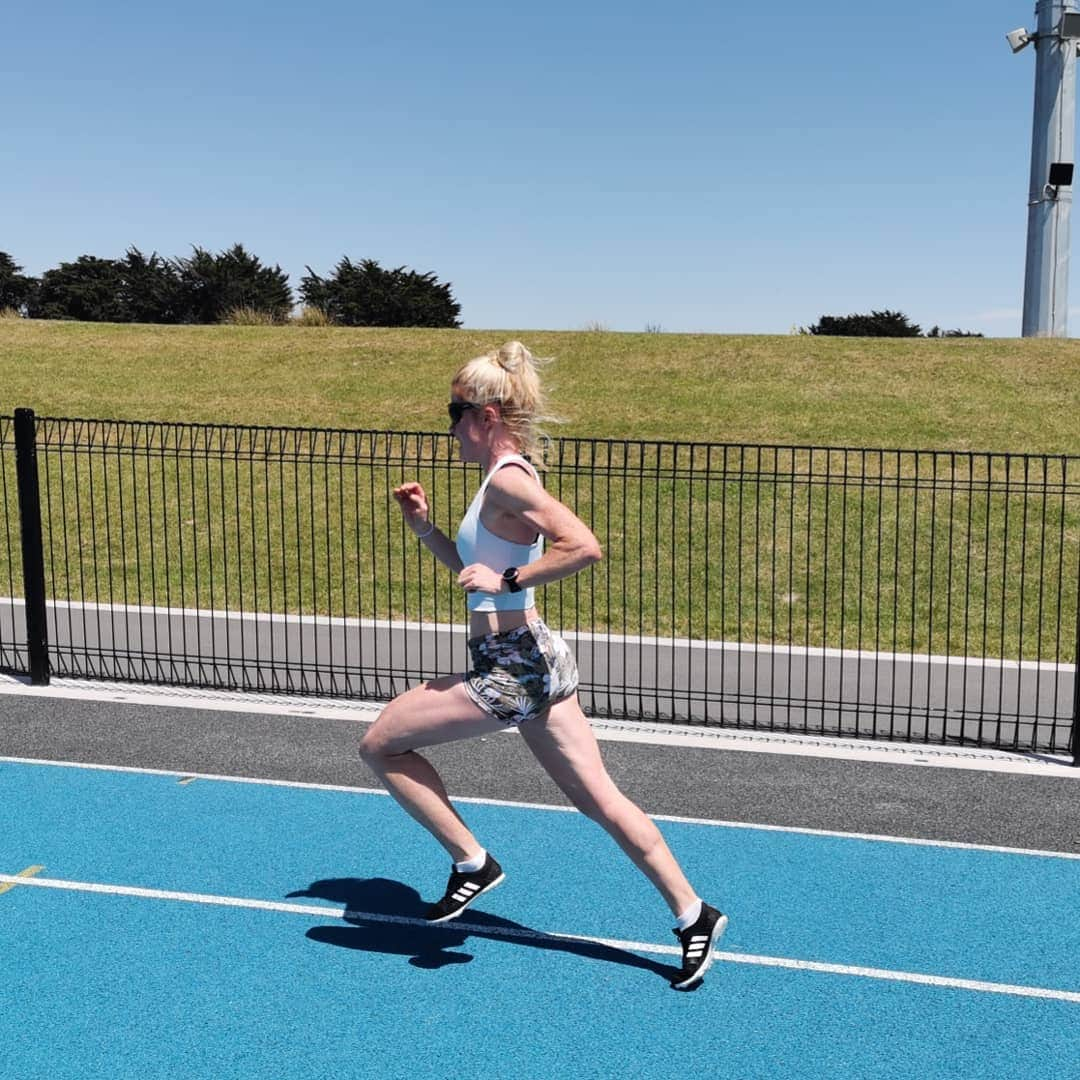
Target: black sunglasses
x=457 y=410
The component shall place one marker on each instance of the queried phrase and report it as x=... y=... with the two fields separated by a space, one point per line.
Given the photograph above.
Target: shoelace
x=679 y=934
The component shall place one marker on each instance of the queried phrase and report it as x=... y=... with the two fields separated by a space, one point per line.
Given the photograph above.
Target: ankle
x=689 y=915
x=473 y=863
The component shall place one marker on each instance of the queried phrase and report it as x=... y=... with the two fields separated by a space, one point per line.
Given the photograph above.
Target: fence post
x=1074 y=739
x=33 y=552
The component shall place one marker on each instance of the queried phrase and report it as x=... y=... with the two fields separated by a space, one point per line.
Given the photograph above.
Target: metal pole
x=33 y=552
x=1053 y=140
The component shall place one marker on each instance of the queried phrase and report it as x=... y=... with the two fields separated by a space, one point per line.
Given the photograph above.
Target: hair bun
x=512 y=356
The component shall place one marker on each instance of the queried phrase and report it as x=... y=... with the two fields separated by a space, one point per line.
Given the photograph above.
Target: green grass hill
x=953 y=394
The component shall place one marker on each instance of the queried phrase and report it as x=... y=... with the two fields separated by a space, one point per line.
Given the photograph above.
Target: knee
x=369 y=747
x=377 y=744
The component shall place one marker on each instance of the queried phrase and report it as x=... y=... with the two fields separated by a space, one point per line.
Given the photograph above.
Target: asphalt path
x=965 y=805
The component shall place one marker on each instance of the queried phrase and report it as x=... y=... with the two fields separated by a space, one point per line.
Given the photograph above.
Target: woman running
x=522 y=674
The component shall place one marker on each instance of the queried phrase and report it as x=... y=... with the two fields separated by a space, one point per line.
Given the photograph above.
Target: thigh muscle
x=566 y=747
x=438 y=711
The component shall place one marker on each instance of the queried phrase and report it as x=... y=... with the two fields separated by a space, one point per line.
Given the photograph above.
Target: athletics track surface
x=262 y=976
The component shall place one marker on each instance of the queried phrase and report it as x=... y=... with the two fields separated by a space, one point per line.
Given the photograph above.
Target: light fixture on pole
x=1018 y=39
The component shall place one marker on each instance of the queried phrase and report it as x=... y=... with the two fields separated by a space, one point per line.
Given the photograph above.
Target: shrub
x=936 y=331
x=364 y=294
x=876 y=324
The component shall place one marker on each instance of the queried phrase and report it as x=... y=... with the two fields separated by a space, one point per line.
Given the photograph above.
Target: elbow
x=580 y=551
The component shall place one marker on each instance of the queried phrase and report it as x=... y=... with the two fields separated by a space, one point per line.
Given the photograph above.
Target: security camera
x=1017 y=39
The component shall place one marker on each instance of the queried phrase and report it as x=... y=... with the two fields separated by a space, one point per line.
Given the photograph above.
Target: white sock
x=689 y=916
x=470 y=866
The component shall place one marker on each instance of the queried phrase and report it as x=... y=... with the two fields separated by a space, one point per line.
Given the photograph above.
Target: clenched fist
x=476 y=577
x=414 y=505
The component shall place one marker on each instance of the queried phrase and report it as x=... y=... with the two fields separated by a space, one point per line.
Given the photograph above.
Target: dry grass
x=312 y=316
x=249 y=316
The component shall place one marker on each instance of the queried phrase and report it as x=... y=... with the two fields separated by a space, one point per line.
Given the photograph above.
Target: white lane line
x=478 y=801
x=246 y=701
x=699 y=737
x=794 y=744
x=903 y=976
x=525 y=934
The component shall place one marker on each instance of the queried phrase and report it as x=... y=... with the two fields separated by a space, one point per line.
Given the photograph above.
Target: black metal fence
x=918 y=595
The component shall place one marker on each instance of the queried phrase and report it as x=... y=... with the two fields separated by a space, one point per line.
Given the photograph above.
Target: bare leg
x=439 y=711
x=566 y=747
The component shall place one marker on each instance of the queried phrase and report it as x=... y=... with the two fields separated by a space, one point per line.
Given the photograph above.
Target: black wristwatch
x=510 y=577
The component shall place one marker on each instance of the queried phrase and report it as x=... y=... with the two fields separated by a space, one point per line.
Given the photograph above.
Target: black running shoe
x=463 y=888
x=697 y=942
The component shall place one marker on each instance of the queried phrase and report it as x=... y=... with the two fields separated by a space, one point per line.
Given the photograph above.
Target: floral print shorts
x=521 y=673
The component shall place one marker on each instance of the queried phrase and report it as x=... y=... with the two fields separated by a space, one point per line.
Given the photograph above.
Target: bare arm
x=414 y=505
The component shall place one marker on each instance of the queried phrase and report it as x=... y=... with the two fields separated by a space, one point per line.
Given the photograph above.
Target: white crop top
x=477 y=544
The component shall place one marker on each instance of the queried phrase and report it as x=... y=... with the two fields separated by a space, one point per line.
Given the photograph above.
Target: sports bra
x=477 y=544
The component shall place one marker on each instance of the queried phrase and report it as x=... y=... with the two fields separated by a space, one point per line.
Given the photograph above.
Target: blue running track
x=108 y=984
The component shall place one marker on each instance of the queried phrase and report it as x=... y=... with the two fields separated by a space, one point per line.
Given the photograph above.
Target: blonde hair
x=510 y=377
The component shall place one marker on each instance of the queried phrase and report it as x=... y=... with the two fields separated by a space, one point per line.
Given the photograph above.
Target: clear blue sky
x=699 y=166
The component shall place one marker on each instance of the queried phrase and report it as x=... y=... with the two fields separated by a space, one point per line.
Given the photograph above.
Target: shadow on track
x=370 y=904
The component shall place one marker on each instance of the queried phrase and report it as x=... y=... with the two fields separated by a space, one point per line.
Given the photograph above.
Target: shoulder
x=515 y=483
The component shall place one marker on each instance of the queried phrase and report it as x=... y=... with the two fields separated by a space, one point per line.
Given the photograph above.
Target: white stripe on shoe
x=464 y=901
x=696 y=949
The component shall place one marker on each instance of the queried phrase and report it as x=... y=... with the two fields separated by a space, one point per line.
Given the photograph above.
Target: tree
x=87 y=289
x=210 y=286
x=364 y=294
x=16 y=290
x=149 y=289
x=876 y=324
